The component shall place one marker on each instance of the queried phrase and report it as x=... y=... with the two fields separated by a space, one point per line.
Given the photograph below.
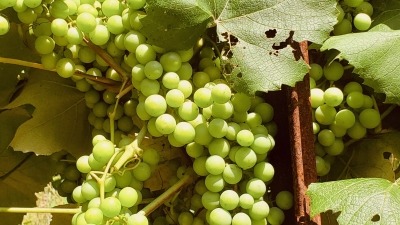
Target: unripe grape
x=362 y=21
x=333 y=96
x=370 y=118
x=333 y=71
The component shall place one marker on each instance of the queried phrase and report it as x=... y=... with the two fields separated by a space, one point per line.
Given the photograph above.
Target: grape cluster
x=353 y=14
x=340 y=113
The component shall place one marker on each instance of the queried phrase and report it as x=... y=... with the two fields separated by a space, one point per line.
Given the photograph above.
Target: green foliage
x=360 y=200
x=60 y=118
x=266 y=32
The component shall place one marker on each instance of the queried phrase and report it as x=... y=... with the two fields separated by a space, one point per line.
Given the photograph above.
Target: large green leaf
x=360 y=201
x=386 y=15
x=60 y=119
x=374 y=56
x=264 y=57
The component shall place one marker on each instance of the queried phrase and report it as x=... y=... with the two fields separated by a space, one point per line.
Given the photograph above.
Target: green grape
x=155 y=105
x=165 y=124
x=233 y=129
x=128 y=197
x=171 y=61
x=44 y=45
x=362 y=21
x=264 y=171
x=100 y=109
x=186 y=88
x=184 y=132
x=199 y=166
x=241 y=102
x=352 y=86
x=343 y=27
x=213 y=72
x=111 y=206
x=137 y=72
x=337 y=130
x=325 y=114
x=336 y=148
x=206 y=62
x=49 y=61
x=240 y=219
x=7 y=3
x=149 y=87
x=365 y=7
x=210 y=200
x=185 y=72
x=74 y=35
x=185 y=218
x=219 y=146
x=174 y=98
x=370 y=118
x=284 y=200
x=90 y=189
x=333 y=96
x=315 y=71
x=65 y=67
x=353 y=3
x=59 y=9
x=326 y=137
x=345 y=118
x=110 y=183
x=115 y=25
x=67 y=186
x=262 y=144
x=94 y=203
x=245 y=138
x=94 y=164
x=86 y=55
x=71 y=173
x=194 y=149
x=256 y=188
x=130 y=107
x=202 y=136
x=221 y=93
x=215 y=164
x=145 y=53
x=87 y=7
x=223 y=111
x=170 y=80
x=86 y=22
x=200 y=79
x=333 y=71
x=124 y=179
x=265 y=110
x=94 y=216
x=152 y=129
x=246 y=201
x=220 y=216
x=229 y=199
x=125 y=124
x=59 y=27
x=151 y=156
x=245 y=158
x=100 y=35
x=218 y=128
x=232 y=174
x=207 y=52
x=82 y=164
x=112 y=7
x=214 y=183
x=141 y=111
x=357 y=131
x=259 y=210
x=202 y=97
x=253 y=119
x=77 y=195
x=142 y=171
x=186 y=55
x=103 y=151
x=275 y=216
x=355 y=99
x=368 y=102
x=133 y=39
x=188 y=110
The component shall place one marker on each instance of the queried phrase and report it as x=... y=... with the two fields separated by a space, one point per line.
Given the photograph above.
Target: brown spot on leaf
x=271 y=33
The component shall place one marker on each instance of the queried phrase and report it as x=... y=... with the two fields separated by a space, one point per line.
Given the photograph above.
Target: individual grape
x=241 y=102
x=264 y=171
x=370 y=118
x=7 y=3
x=229 y=199
x=221 y=93
x=94 y=164
x=87 y=7
x=275 y=216
x=71 y=173
x=232 y=174
x=170 y=80
x=218 y=128
x=357 y=131
x=215 y=164
x=325 y=114
x=351 y=87
x=284 y=200
x=364 y=7
x=111 y=206
x=100 y=35
x=59 y=27
x=142 y=172
x=337 y=130
x=210 y=200
x=336 y=148
x=136 y=4
x=94 y=216
x=188 y=110
x=128 y=197
x=202 y=97
x=256 y=188
x=315 y=71
x=253 y=119
x=184 y=132
x=194 y=149
x=245 y=158
x=320 y=165
x=353 y=3
x=155 y=105
x=202 y=136
x=219 y=146
x=124 y=179
x=86 y=22
x=333 y=96
x=82 y=164
x=214 y=183
x=326 y=137
x=362 y=21
x=259 y=210
x=90 y=189
x=151 y=156
x=174 y=98
x=111 y=7
x=103 y=151
x=133 y=39
x=145 y=53
x=368 y=102
x=345 y=118
x=110 y=183
x=240 y=219
x=343 y=27
x=246 y=201
x=220 y=216
x=355 y=99
x=186 y=88
x=44 y=45
x=185 y=218
x=266 y=111
x=333 y=71
x=115 y=24
x=59 y=9
x=125 y=124
x=200 y=79
x=165 y=123
x=223 y=111
x=171 y=61
x=233 y=129
x=149 y=87
x=245 y=138
x=67 y=186
x=74 y=36
x=77 y=195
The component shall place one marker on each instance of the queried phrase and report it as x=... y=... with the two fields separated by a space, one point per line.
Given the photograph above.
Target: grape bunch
x=341 y=113
x=353 y=15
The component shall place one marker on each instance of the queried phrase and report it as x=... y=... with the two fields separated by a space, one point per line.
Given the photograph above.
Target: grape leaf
x=19 y=184
x=374 y=56
x=360 y=200
x=60 y=119
x=264 y=57
x=375 y=156
x=386 y=15
x=10 y=120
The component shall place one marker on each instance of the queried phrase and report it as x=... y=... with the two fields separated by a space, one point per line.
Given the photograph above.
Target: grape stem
x=185 y=180
x=39 y=210
x=132 y=149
